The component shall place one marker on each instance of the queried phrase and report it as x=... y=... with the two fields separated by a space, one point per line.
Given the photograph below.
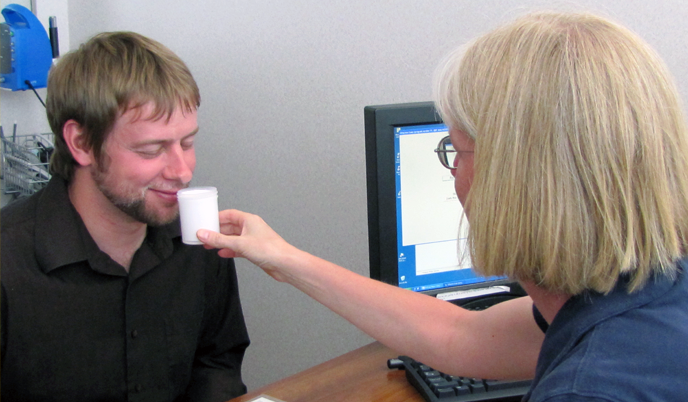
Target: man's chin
x=159 y=212
x=158 y=218
x=151 y=215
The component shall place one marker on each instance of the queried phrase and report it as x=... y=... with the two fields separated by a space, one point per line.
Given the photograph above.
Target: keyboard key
x=477 y=387
x=435 y=380
x=444 y=392
x=462 y=390
x=444 y=384
x=431 y=374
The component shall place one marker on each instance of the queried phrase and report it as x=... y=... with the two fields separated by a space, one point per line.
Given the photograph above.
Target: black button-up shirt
x=77 y=326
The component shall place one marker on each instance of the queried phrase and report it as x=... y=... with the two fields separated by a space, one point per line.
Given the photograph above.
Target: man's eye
x=187 y=145
x=150 y=153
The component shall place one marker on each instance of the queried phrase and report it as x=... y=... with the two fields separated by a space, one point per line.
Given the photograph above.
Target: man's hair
x=110 y=74
x=581 y=153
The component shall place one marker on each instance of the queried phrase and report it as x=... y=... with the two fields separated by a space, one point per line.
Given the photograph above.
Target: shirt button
x=134 y=333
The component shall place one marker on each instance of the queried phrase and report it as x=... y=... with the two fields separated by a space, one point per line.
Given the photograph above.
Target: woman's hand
x=247 y=236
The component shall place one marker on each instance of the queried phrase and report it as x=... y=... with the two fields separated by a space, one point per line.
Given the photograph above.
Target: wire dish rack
x=25 y=160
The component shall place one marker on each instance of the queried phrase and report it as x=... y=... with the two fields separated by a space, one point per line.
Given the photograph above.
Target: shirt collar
x=62 y=237
x=57 y=228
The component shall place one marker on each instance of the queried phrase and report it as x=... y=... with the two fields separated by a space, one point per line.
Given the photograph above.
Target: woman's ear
x=74 y=136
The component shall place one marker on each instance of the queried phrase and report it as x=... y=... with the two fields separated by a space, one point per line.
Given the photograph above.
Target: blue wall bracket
x=25 y=51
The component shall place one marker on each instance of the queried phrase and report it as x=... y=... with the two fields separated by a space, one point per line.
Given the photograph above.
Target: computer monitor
x=416 y=227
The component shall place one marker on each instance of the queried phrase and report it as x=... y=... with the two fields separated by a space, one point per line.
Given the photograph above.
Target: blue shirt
x=619 y=346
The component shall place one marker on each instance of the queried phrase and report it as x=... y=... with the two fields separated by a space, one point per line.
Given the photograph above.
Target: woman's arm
x=500 y=342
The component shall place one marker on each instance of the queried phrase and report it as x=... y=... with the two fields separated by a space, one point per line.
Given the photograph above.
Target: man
x=100 y=299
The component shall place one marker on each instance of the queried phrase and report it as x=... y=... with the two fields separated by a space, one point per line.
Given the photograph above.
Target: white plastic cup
x=198 y=210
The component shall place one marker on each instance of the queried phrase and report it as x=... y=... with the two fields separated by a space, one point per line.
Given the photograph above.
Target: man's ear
x=74 y=136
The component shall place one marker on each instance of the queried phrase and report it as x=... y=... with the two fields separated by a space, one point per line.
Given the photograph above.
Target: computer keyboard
x=435 y=386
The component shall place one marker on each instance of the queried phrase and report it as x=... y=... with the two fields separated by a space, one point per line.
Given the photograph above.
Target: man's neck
x=548 y=303
x=116 y=233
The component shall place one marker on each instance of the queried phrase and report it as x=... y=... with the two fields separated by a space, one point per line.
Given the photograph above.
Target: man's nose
x=180 y=165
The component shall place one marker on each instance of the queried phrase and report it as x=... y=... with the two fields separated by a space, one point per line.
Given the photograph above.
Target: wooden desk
x=360 y=375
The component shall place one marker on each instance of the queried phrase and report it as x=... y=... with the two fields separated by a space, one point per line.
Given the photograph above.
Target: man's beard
x=130 y=202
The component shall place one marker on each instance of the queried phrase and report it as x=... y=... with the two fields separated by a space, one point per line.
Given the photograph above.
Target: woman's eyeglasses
x=444 y=149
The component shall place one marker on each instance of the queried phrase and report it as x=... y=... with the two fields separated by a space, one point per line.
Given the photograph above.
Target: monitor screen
x=416 y=227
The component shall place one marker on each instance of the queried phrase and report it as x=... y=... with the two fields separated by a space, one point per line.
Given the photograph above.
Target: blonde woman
x=577 y=187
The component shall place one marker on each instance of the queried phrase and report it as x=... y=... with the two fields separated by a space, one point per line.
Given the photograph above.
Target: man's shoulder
x=26 y=209
x=19 y=212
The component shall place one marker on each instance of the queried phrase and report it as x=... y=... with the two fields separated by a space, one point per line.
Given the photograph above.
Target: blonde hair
x=111 y=73
x=581 y=156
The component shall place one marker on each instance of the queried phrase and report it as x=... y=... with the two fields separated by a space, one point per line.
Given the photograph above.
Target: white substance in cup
x=198 y=210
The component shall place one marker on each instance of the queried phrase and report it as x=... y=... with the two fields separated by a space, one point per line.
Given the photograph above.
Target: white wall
x=284 y=84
